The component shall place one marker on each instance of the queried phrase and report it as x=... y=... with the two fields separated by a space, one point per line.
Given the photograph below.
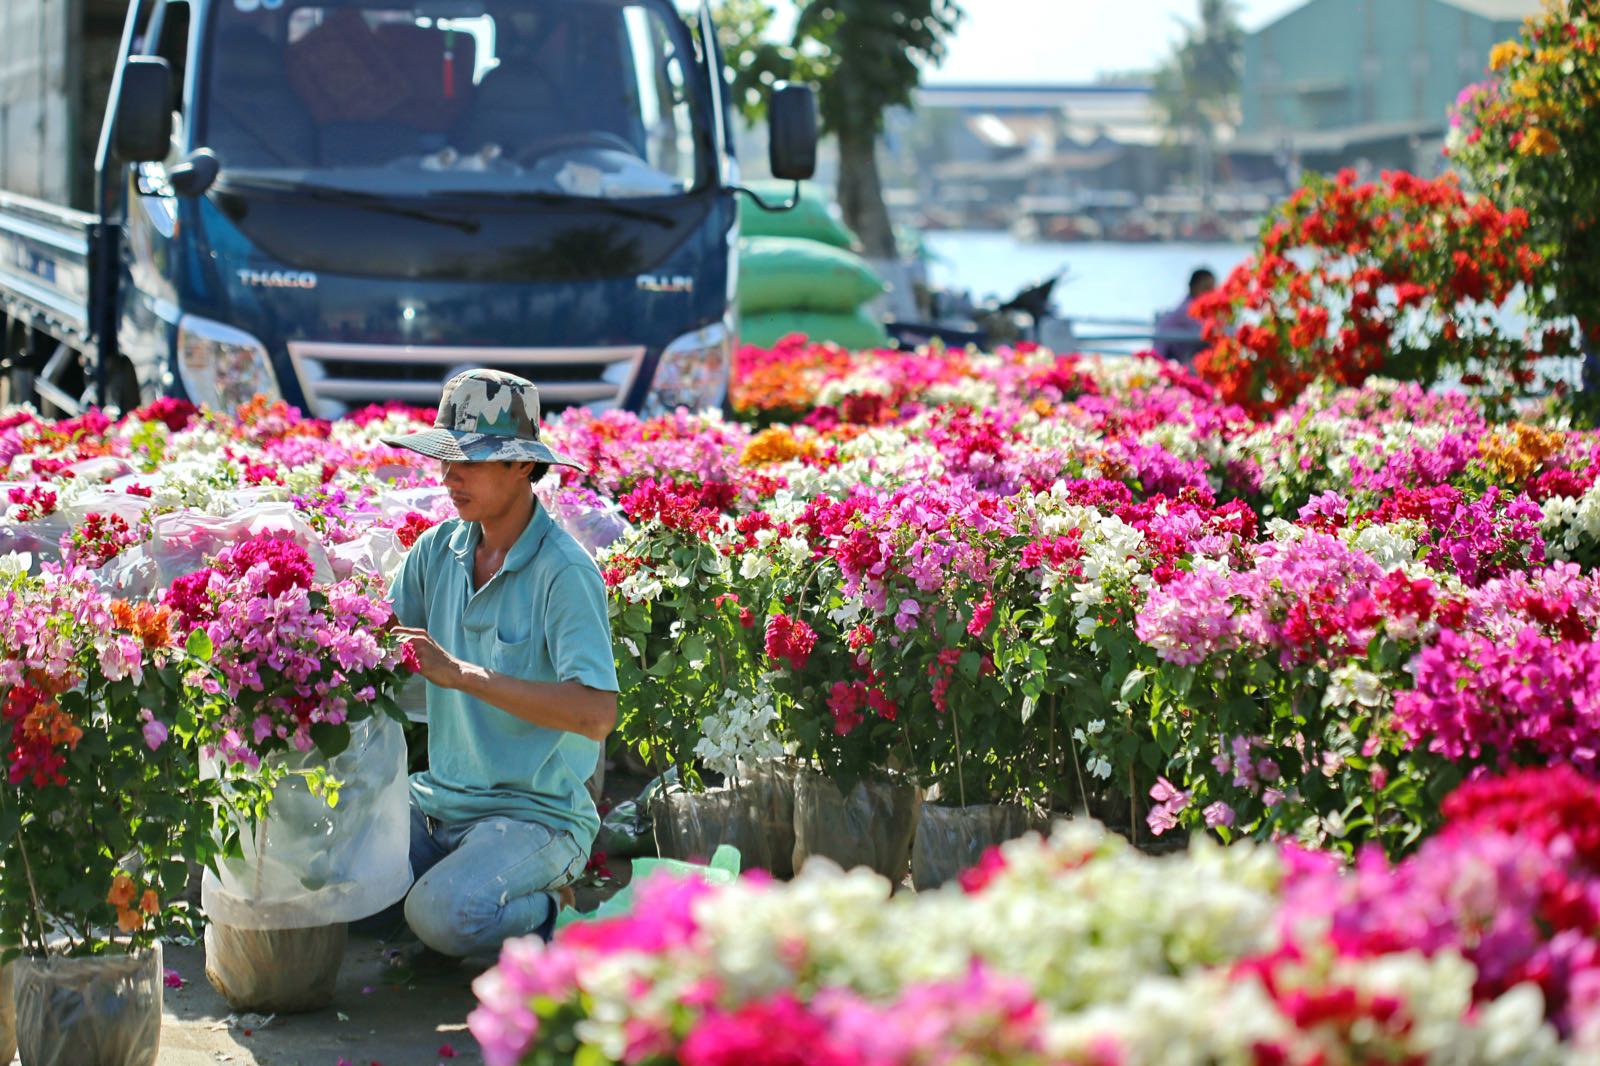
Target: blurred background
x=1124 y=143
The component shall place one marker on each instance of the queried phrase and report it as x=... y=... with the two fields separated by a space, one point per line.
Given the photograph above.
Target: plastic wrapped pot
x=8 y=1016
x=306 y=864
x=756 y=816
x=871 y=826
x=952 y=839
x=274 y=971
x=100 y=1011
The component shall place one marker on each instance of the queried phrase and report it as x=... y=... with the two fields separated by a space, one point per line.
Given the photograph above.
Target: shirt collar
x=465 y=540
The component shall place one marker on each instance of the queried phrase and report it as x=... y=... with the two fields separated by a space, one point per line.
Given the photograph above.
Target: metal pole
x=105 y=241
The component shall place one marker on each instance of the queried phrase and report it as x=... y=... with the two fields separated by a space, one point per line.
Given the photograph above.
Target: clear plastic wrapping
x=952 y=839
x=872 y=826
x=755 y=815
x=8 y=1016
x=307 y=864
x=100 y=1011
x=183 y=540
x=275 y=971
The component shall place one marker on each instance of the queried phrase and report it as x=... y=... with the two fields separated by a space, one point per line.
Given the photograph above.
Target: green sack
x=724 y=870
x=857 y=330
x=792 y=274
x=811 y=220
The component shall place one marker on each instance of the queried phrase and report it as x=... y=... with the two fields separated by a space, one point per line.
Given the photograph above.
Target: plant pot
x=953 y=839
x=275 y=971
x=873 y=826
x=8 y=1016
x=104 y=1011
x=756 y=816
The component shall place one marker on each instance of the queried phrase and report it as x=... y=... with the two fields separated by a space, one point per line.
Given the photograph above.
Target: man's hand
x=436 y=664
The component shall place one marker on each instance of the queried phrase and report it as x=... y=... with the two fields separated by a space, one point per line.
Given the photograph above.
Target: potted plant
x=96 y=824
x=295 y=675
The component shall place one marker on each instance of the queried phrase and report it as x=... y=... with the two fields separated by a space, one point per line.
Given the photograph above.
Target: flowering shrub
x=1015 y=576
x=1400 y=277
x=294 y=661
x=1528 y=138
x=1481 y=948
x=96 y=822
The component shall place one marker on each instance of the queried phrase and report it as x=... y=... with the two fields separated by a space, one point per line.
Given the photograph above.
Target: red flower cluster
x=414 y=526
x=100 y=539
x=175 y=413
x=288 y=563
x=33 y=501
x=680 y=506
x=789 y=640
x=39 y=730
x=1380 y=252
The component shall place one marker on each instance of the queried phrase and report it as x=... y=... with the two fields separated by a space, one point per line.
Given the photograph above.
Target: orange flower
x=149 y=902
x=775 y=445
x=49 y=723
x=1506 y=53
x=129 y=921
x=150 y=623
x=122 y=891
x=1539 y=141
x=1515 y=451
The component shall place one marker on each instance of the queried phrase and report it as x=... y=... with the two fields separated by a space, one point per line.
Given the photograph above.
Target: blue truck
x=343 y=202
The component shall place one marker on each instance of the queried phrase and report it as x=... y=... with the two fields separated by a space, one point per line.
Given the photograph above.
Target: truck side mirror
x=143 y=132
x=792 y=132
x=195 y=174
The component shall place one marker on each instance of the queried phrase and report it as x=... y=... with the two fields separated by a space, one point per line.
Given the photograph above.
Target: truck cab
x=344 y=202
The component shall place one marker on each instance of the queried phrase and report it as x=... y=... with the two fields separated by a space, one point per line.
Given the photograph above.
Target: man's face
x=487 y=490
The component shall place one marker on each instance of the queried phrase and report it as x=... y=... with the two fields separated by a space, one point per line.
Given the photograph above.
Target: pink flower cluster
x=290 y=654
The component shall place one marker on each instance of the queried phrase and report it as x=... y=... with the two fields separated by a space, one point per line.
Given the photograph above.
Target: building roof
x=1031 y=97
x=1506 y=10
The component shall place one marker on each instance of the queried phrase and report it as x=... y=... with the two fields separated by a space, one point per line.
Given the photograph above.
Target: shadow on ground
x=378 y=1015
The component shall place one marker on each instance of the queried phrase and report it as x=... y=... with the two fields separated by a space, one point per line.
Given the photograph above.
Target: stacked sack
x=797 y=274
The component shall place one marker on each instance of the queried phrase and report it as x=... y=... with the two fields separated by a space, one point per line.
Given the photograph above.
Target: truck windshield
x=592 y=98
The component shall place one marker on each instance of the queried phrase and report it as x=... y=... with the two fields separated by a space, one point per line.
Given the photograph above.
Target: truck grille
x=338 y=378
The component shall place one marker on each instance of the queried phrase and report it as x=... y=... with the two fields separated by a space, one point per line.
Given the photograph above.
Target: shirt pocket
x=514 y=657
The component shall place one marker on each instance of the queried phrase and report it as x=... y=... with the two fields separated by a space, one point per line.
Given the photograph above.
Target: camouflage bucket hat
x=485 y=415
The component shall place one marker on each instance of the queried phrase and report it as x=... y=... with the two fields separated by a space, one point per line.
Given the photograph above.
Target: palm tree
x=1198 y=89
x=865 y=57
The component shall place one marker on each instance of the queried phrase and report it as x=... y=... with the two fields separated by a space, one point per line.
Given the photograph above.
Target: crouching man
x=507 y=615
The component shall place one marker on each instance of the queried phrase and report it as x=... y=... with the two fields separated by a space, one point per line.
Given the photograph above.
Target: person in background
x=1179 y=320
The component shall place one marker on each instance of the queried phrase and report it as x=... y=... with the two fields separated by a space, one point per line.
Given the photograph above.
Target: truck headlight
x=222 y=367
x=693 y=371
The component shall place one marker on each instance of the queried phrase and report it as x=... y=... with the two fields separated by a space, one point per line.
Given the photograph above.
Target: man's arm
x=566 y=705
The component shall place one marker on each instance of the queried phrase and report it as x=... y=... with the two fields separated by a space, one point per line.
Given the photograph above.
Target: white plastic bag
x=376 y=551
x=595 y=523
x=98 y=1011
x=183 y=540
x=308 y=864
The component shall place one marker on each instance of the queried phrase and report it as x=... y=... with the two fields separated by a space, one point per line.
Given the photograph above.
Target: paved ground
x=374 y=1018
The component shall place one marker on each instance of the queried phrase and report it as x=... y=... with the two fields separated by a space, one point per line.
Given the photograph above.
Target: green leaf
x=199 y=645
x=1133 y=685
x=331 y=739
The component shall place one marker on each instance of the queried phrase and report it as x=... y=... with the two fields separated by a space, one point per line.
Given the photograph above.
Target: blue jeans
x=482 y=883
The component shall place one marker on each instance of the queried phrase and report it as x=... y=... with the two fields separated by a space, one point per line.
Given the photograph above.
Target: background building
x=1365 y=82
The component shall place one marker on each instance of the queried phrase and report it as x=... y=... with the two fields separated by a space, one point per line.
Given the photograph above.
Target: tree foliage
x=864 y=56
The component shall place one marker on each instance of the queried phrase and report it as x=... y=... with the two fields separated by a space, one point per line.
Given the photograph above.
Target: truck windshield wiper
x=370 y=200
x=598 y=203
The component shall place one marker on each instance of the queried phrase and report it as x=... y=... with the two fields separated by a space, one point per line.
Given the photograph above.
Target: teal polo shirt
x=541 y=618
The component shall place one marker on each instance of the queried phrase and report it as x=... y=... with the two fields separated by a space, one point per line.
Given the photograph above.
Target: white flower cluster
x=1122 y=951
x=1572 y=524
x=743 y=728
